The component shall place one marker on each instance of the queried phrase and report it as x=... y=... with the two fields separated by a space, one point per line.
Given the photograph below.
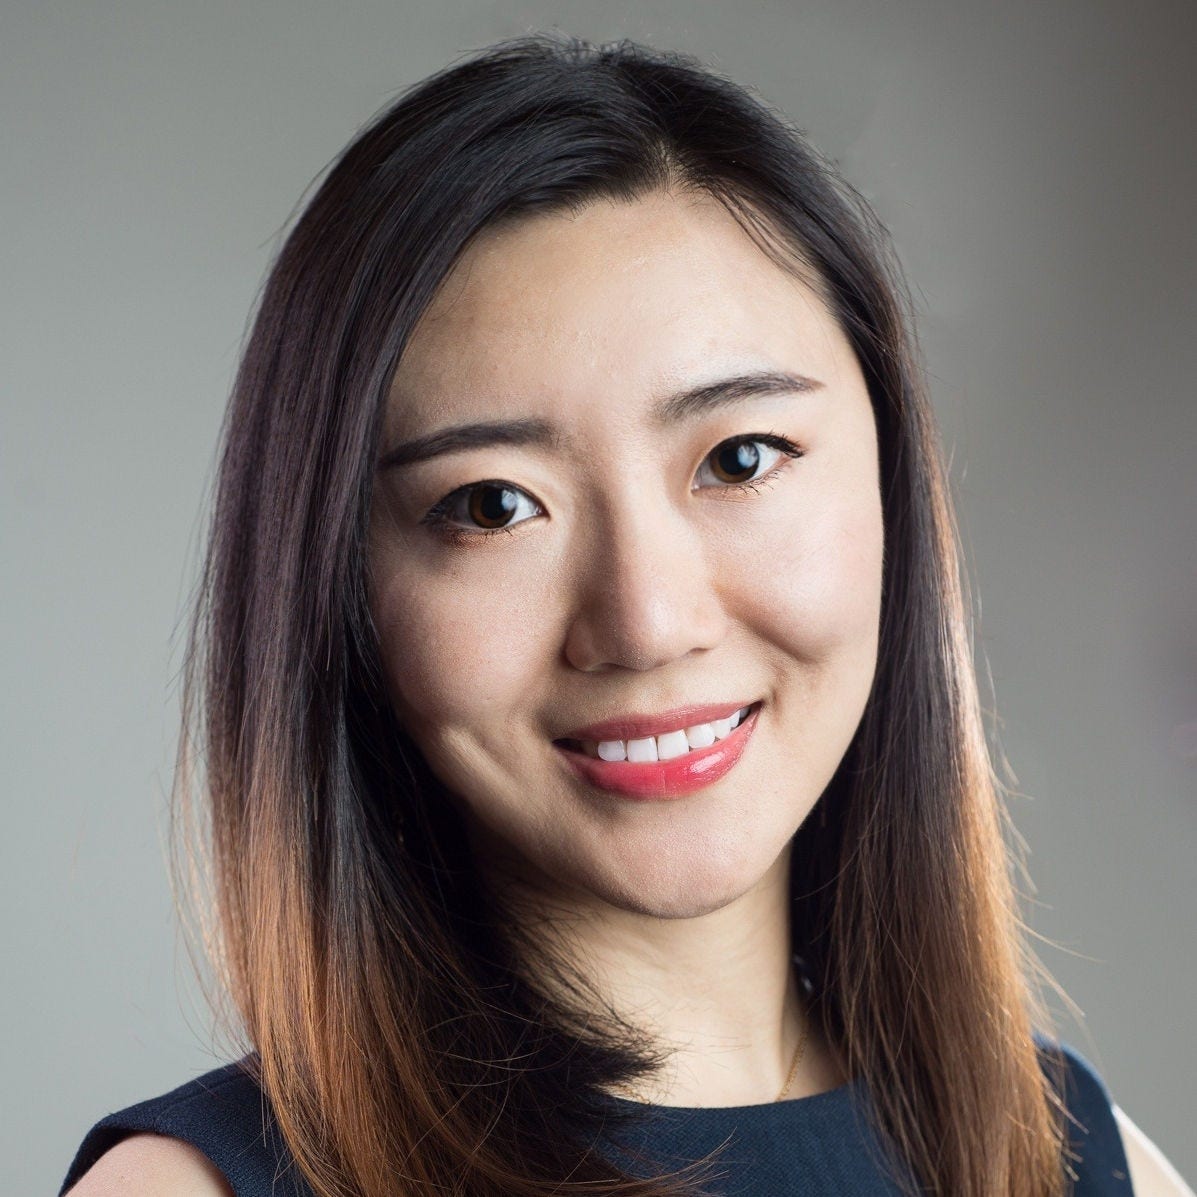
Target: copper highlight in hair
x=402 y=1041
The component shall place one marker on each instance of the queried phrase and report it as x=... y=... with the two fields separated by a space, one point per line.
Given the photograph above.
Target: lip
x=640 y=727
x=664 y=780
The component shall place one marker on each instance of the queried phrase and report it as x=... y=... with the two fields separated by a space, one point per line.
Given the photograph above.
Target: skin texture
x=637 y=580
x=146 y=1165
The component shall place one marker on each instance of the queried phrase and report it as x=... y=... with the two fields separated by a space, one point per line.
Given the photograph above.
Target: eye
x=738 y=463
x=482 y=509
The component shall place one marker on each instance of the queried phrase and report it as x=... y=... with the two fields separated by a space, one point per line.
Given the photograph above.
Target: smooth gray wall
x=1035 y=160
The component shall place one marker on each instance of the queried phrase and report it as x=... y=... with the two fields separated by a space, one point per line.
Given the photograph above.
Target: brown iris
x=491 y=506
x=736 y=458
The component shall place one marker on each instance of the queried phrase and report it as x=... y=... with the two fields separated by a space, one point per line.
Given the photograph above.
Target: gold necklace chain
x=799 y=1051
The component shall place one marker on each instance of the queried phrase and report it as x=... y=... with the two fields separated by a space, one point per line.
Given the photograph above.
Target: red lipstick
x=640 y=727
x=694 y=770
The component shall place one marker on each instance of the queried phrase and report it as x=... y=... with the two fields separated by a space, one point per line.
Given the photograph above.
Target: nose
x=647 y=594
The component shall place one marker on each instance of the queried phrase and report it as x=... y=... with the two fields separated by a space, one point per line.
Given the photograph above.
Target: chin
x=684 y=891
x=676 y=906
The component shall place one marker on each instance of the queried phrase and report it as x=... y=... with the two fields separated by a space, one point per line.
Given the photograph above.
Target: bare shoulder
x=149 y=1165
x=1151 y=1173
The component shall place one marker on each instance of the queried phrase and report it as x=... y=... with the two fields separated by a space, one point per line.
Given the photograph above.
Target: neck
x=718 y=992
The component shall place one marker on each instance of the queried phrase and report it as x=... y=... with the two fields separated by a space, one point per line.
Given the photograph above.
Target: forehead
x=615 y=303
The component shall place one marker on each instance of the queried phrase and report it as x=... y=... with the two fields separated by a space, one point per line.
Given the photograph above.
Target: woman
x=598 y=798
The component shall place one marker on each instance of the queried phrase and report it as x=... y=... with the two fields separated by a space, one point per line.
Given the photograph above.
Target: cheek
x=816 y=588
x=456 y=655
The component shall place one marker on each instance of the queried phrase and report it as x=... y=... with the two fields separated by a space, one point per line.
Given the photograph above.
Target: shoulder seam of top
x=191 y=1091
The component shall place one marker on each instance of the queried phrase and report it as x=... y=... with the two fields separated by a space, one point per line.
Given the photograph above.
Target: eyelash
x=438 y=516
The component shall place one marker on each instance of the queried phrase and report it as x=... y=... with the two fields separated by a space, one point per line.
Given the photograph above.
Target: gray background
x=1036 y=163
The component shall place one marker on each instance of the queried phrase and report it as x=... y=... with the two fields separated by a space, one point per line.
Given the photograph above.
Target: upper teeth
x=667 y=745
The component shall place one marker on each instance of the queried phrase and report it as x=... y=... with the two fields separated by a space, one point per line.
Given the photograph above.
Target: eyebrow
x=681 y=405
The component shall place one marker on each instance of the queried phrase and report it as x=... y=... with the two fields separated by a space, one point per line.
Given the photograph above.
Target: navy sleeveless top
x=819 y=1146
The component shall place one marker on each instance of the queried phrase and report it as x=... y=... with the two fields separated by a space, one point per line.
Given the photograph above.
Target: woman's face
x=652 y=545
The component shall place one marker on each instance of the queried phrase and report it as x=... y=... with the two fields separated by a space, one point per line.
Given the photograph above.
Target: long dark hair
x=402 y=1045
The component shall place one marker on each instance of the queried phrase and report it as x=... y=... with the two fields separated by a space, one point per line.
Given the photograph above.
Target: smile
x=666 y=746
x=669 y=765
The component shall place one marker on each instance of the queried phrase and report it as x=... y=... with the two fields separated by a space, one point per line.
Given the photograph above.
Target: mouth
x=665 y=746
x=668 y=765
